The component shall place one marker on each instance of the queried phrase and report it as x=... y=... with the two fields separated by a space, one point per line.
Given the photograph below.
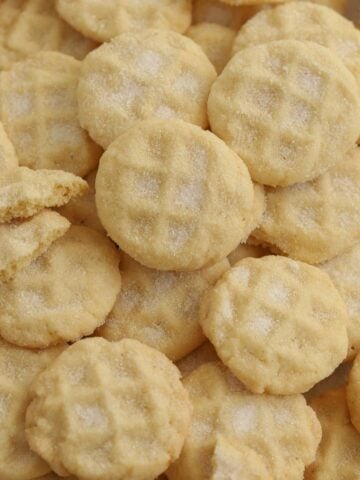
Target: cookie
x=25 y=192
x=175 y=197
x=160 y=309
x=154 y=73
x=23 y=242
x=282 y=430
x=18 y=369
x=109 y=410
x=8 y=158
x=316 y=221
x=214 y=11
x=353 y=393
x=215 y=40
x=279 y=106
x=38 y=108
x=63 y=295
x=338 y=456
x=204 y=354
x=279 y=325
x=104 y=21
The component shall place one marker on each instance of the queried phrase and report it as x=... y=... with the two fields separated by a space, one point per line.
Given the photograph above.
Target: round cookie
x=160 y=309
x=279 y=325
x=353 y=393
x=175 y=197
x=282 y=430
x=214 y=11
x=8 y=158
x=215 y=40
x=38 y=108
x=109 y=410
x=316 y=221
x=280 y=105
x=18 y=369
x=64 y=294
x=154 y=73
x=103 y=21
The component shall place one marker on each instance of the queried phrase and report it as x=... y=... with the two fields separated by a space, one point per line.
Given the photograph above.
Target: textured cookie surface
x=282 y=430
x=8 y=158
x=154 y=73
x=279 y=325
x=290 y=109
x=109 y=410
x=353 y=393
x=174 y=197
x=38 y=108
x=64 y=294
x=104 y=20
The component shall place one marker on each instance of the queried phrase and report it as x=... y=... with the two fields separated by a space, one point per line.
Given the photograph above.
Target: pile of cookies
x=179 y=240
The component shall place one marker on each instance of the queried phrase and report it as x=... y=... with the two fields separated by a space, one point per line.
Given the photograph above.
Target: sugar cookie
x=160 y=309
x=154 y=73
x=353 y=393
x=25 y=192
x=318 y=220
x=279 y=325
x=282 y=430
x=204 y=354
x=109 y=410
x=215 y=11
x=175 y=197
x=280 y=106
x=38 y=108
x=23 y=242
x=18 y=368
x=8 y=158
x=103 y=21
x=64 y=294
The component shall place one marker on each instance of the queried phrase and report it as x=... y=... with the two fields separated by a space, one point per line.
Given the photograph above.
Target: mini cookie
x=109 y=410
x=38 y=108
x=25 y=192
x=154 y=73
x=64 y=294
x=353 y=393
x=279 y=106
x=279 y=325
x=160 y=309
x=204 y=354
x=103 y=21
x=175 y=197
x=8 y=158
x=338 y=456
x=18 y=368
x=215 y=40
x=23 y=242
x=282 y=430
x=316 y=221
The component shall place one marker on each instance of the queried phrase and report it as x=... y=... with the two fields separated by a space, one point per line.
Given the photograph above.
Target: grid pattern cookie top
x=305 y=21
x=279 y=325
x=18 y=368
x=173 y=197
x=215 y=11
x=64 y=294
x=104 y=20
x=160 y=309
x=290 y=109
x=155 y=73
x=316 y=221
x=29 y=26
x=282 y=430
x=8 y=158
x=109 y=410
x=38 y=108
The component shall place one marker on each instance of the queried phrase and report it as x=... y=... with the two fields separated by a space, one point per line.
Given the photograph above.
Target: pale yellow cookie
x=103 y=21
x=338 y=457
x=204 y=354
x=316 y=221
x=353 y=393
x=22 y=242
x=290 y=109
x=25 y=192
x=154 y=73
x=160 y=309
x=18 y=369
x=29 y=26
x=63 y=295
x=215 y=11
x=107 y=410
x=282 y=430
x=8 y=158
x=174 y=197
x=38 y=108
x=215 y=40
x=279 y=325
